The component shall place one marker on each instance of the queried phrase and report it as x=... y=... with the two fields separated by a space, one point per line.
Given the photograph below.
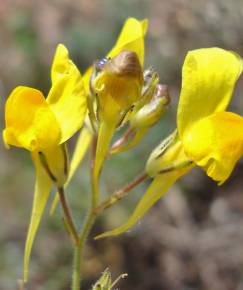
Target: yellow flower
x=117 y=87
x=130 y=39
x=209 y=77
x=42 y=126
x=207 y=136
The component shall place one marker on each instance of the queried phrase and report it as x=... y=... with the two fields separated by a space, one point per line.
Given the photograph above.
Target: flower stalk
x=120 y=194
x=68 y=217
x=87 y=226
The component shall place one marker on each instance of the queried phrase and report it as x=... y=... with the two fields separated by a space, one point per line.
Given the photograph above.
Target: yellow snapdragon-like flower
x=209 y=77
x=207 y=135
x=42 y=126
x=117 y=87
x=131 y=39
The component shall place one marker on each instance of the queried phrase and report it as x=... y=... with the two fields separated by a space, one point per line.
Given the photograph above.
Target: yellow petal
x=131 y=38
x=42 y=191
x=208 y=79
x=216 y=144
x=160 y=185
x=67 y=97
x=30 y=123
x=86 y=78
x=81 y=148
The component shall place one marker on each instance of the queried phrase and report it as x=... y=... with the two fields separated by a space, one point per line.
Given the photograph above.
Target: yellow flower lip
x=216 y=144
x=29 y=121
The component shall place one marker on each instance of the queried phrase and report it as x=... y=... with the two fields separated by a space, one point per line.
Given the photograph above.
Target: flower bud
x=151 y=80
x=105 y=282
x=150 y=113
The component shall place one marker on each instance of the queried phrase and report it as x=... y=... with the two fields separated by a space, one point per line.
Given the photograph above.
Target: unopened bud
x=150 y=113
x=162 y=92
x=104 y=282
x=151 y=79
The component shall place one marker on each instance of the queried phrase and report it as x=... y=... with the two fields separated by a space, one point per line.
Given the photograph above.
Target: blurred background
x=192 y=239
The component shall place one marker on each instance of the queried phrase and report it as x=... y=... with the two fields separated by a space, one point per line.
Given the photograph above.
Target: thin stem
x=87 y=226
x=90 y=219
x=120 y=194
x=67 y=216
x=76 y=277
x=122 y=140
x=79 y=249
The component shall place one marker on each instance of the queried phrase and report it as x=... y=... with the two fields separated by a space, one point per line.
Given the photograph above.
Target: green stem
x=119 y=194
x=91 y=217
x=79 y=249
x=67 y=216
x=76 y=268
x=122 y=140
x=87 y=226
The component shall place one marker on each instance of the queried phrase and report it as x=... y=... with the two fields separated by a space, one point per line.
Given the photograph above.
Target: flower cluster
x=117 y=91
